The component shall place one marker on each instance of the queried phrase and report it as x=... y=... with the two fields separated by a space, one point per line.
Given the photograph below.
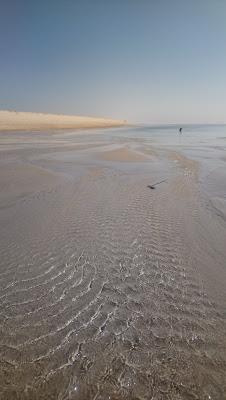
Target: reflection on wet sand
x=123 y=154
x=108 y=289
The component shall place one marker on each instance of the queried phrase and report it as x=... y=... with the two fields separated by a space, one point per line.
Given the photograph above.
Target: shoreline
x=87 y=247
x=30 y=121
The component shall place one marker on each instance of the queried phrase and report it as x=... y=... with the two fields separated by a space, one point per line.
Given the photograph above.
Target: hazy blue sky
x=154 y=61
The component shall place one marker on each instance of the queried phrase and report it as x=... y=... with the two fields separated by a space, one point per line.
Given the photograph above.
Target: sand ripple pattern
x=99 y=300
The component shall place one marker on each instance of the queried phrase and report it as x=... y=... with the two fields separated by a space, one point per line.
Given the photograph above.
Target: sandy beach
x=26 y=121
x=110 y=289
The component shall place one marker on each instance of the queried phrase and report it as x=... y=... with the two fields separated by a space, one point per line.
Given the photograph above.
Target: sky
x=150 y=61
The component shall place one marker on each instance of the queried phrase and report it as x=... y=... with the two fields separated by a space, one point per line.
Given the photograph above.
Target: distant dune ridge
x=12 y=120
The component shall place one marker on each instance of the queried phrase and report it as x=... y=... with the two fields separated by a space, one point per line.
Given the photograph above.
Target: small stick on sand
x=157 y=183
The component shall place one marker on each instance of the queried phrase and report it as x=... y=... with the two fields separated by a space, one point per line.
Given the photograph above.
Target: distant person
x=180 y=131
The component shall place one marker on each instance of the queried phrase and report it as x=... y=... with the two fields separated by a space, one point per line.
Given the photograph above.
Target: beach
x=109 y=288
x=26 y=121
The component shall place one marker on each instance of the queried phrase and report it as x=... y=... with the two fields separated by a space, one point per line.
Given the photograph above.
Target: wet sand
x=123 y=154
x=109 y=289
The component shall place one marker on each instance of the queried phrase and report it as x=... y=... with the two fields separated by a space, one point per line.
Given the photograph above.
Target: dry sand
x=12 y=120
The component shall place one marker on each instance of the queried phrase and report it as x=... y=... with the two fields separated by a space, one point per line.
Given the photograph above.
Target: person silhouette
x=180 y=131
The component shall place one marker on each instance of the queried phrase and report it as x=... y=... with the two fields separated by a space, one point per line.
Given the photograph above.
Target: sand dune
x=12 y=120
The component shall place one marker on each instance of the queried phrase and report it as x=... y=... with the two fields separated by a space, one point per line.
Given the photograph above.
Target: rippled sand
x=108 y=289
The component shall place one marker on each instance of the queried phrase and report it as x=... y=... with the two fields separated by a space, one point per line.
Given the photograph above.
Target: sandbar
x=123 y=154
x=12 y=120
